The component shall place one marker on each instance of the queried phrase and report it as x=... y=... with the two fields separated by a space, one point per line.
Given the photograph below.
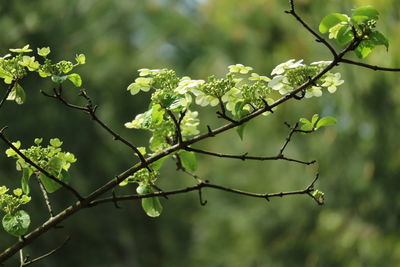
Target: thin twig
x=45 y=196
x=40 y=169
x=199 y=186
x=91 y=110
x=320 y=39
x=368 y=66
x=10 y=87
x=47 y=254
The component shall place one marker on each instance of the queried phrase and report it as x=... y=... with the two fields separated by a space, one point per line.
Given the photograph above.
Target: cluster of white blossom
x=239 y=92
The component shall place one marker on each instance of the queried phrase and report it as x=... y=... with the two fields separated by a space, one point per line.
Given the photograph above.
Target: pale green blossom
x=186 y=85
x=189 y=123
x=140 y=83
x=149 y=72
x=280 y=83
x=257 y=77
x=321 y=63
x=313 y=91
x=3 y=190
x=231 y=98
x=331 y=81
x=204 y=100
x=333 y=31
x=137 y=122
x=290 y=64
x=239 y=68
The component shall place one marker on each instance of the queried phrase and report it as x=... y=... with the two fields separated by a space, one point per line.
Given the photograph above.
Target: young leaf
x=17 y=94
x=364 y=49
x=50 y=185
x=152 y=206
x=326 y=121
x=367 y=11
x=378 y=38
x=330 y=21
x=16 y=224
x=75 y=79
x=307 y=125
x=345 y=35
x=59 y=79
x=26 y=175
x=314 y=119
x=80 y=59
x=188 y=160
x=240 y=130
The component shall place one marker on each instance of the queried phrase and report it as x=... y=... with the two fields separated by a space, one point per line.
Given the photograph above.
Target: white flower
x=185 y=101
x=204 y=100
x=137 y=122
x=239 y=68
x=321 y=63
x=331 y=81
x=313 y=91
x=280 y=83
x=257 y=77
x=140 y=83
x=231 y=98
x=290 y=64
x=147 y=72
x=186 y=85
x=189 y=123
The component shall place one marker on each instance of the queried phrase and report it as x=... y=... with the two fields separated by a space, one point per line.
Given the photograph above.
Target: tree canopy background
x=358 y=159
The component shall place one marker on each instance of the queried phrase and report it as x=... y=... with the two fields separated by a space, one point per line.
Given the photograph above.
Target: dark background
x=358 y=159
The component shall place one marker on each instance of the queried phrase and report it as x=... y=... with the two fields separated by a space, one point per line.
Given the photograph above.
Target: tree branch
x=307 y=190
x=319 y=39
x=372 y=67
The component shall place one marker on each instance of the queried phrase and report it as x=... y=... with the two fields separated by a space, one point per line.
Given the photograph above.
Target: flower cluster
x=292 y=74
x=240 y=92
x=9 y=203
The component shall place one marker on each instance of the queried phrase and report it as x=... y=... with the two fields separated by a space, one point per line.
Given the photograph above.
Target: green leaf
x=17 y=94
x=314 y=119
x=75 y=79
x=50 y=185
x=240 y=130
x=345 y=35
x=157 y=114
x=171 y=101
x=26 y=175
x=188 y=160
x=59 y=79
x=364 y=49
x=307 y=125
x=80 y=59
x=330 y=21
x=158 y=164
x=326 y=121
x=55 y=142
x=359 y=19
x=152 y=206
x=367 y=11
x=378 y=38
x=16 y=224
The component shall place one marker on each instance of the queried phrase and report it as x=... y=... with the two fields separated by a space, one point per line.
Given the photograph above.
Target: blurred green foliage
x=359 y=158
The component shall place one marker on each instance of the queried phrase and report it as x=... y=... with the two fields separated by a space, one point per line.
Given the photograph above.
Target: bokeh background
x=358 y=159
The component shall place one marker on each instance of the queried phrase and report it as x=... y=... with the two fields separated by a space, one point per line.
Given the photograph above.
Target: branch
x=26 y=263
x=308 y=190
x=319 y=39
x=364 y=65
x=7 y=93
x=40 y=169
x=45 y=196
x=91 y=110
x=246 y=157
